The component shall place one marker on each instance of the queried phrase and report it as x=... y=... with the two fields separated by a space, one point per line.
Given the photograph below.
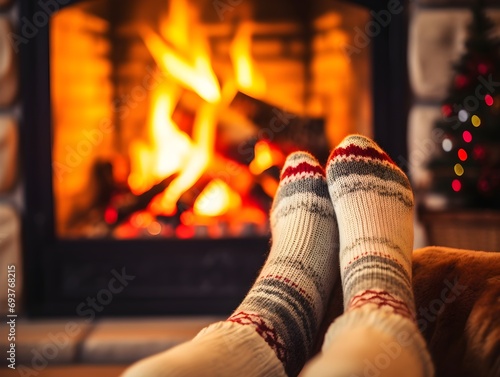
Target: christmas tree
x=467 y=168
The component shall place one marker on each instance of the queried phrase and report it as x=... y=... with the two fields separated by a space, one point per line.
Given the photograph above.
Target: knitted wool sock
x=377 y=335
x=272 y=332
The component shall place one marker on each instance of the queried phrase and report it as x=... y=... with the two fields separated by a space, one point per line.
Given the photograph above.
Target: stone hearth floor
x=67 y=347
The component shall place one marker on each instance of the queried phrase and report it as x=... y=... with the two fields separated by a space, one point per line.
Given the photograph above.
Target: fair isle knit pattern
x=288 y=300
x=373 y=201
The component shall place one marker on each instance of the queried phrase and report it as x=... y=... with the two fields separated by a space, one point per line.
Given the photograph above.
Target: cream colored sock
x=272 y=332
x=377 y=335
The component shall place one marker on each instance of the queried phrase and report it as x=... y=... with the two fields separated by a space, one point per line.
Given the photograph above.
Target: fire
x=249 y=80
x=168 y=148
x=183 y=54
x=185 y=60
x=216 y=199
x=265 y=157
x=199 y=157
x=175 y=28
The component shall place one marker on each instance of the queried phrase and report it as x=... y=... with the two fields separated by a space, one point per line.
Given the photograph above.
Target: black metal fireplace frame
x=171 y=277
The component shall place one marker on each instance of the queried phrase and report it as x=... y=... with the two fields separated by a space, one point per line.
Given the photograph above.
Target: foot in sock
x=373 y=203
x=272 y=332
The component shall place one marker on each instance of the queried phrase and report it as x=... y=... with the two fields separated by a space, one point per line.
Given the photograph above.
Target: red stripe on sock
x=289 y=282
x=370 y=253
x=354 y=150
x=269 y=334
x=303 y=167
x=380 y=298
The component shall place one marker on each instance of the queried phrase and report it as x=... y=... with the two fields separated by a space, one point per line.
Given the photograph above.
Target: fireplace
x=154 y=133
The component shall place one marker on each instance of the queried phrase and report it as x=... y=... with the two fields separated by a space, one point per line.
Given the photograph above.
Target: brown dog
x=457 y=296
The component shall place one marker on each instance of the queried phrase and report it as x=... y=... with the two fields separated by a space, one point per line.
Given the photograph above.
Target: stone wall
x=10 y=249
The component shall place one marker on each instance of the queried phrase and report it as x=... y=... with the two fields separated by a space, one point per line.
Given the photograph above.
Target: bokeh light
x=462 y=154
x=463 y=115
x=459 y=170
x=467 y=136
x=479 y=152
x=488 y=99
x=447 y=145
x=476 y=121
x=446 y=110
x=456 y=185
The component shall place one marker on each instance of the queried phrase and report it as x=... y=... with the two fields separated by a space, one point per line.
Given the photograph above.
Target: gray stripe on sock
x=316 y=186
x=313 y=208
x=382 y=190
x=386 y=242
x=341 y=168
x=308 y=272
x=292 y=325
x=369 y=262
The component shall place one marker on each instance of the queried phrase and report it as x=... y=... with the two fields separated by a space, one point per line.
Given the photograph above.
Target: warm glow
x=265 y=157
x=167 y=148
x=247 y=78
x=175 y=27
x=182 y=51
x=216 y=199
x=199 y=158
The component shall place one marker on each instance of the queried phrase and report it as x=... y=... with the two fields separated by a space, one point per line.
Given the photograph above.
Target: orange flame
x=249 y=80
x=168 y=147
x=199 y=157
x=265 y=157
x=216 y=199
x=185 y=59
x=183 y=54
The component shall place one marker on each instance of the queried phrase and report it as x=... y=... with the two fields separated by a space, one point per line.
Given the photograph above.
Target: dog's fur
x=464 y=336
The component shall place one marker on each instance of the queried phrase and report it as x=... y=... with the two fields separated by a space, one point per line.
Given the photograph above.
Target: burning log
x=290 y=131
x=135 y=203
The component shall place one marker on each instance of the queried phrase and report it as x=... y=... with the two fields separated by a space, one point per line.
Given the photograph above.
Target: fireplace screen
x=173 y=119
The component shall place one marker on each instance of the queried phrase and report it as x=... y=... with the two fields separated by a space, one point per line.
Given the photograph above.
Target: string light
x=446 y=110
x=456 y=185
x=467 y=136
x=459 y=170
x=447 y=145
x=479 y=152
x=488 y=99
x=482 y=68
x=463 y=115
x=462 y=154
x=476 y=121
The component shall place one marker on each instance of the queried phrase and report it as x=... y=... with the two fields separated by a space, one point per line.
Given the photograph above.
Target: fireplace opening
x=155 y=110
x=154 y=133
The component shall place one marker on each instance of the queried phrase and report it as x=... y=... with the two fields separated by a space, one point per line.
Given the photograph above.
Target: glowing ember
x=263 y=158
x=216 y=199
